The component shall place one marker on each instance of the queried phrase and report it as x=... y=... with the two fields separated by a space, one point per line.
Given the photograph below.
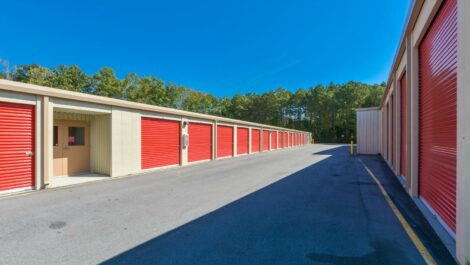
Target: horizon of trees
x=326 y=111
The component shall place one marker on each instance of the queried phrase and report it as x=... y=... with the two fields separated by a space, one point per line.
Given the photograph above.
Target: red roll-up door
x=438 y=114
x=160 y=142
x=403 y=125
x=273 y=140
x=255 y=136
x=283 y=139
x=200 y=141
x=17 y=132
x=279 y=139
x=242 y=141
x=224 y=141
x=286 y=139
x=265 y=140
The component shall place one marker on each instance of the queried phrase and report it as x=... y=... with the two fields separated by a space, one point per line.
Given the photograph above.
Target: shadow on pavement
x=328 y=213
x=408 y=208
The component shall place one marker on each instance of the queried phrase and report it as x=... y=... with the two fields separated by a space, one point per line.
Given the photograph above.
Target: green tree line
x=326 y=111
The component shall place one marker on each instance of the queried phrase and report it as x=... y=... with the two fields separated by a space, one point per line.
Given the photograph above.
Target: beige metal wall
x=463 y=133
x=101 y=144
x=125 y=142
x=384 y=133
x=368 y=126
x=72 y=116
x=380 y=113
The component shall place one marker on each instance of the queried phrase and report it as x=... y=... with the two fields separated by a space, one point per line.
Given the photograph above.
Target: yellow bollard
x=352 y=148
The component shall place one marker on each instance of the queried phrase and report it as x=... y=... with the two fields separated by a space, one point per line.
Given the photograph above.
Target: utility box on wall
x=368 y=130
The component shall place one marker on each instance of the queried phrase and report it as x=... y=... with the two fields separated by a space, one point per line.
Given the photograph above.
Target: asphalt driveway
x=307 y=205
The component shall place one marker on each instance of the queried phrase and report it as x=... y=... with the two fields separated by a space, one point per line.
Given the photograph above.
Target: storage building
x=47 y=133
x=424 y=117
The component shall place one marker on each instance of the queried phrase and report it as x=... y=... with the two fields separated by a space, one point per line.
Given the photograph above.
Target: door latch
x=29 y=153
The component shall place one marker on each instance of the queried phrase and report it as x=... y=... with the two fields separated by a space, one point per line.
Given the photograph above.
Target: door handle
x=30 y=153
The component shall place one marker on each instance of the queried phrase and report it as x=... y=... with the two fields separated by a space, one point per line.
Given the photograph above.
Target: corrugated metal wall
x=101 y=144
x=125 y=142
x=368 y=131
x=71 y=116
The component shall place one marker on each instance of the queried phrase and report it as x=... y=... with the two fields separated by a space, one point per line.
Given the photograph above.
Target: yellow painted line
x=414 y=238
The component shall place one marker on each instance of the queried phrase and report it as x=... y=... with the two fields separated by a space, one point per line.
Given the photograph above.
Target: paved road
x=308 y=205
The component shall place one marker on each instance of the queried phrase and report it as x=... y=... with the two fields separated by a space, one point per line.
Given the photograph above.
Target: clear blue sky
x=217 y=46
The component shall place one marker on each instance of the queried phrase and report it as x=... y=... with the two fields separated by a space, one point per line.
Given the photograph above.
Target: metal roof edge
x=20 y=87
x=412 y=16
x=367 y=109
